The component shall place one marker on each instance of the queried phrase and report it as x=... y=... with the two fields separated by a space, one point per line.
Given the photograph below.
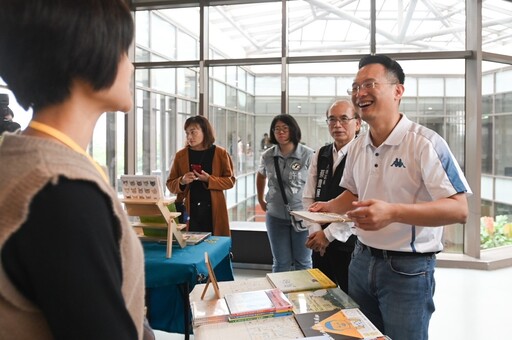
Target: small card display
x=141 y=187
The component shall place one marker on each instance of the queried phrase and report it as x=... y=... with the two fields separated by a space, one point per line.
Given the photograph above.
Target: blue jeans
x=288 y=246
x=395 y=293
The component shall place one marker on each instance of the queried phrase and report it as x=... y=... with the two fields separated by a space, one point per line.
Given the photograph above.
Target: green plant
x=495 y=233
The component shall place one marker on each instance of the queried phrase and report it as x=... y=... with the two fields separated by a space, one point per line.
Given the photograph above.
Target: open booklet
x=320 y=217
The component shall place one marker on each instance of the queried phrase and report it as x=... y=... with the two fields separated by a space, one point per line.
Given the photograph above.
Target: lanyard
x=68 y=141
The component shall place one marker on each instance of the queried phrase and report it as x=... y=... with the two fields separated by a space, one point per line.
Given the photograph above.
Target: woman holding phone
x=200 y=173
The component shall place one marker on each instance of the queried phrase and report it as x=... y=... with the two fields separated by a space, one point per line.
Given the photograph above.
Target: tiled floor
x=470 y=304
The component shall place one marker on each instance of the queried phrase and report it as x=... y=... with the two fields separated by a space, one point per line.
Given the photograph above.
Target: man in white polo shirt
x=404 y=185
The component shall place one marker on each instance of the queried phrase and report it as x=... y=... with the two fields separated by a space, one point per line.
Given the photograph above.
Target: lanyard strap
x=279 y=179
x=67 y=141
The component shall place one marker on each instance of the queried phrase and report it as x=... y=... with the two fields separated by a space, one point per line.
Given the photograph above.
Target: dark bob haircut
x=391 y=65
x=295 y=134
x=206 y=127
x=47 y=44
x=5 y=111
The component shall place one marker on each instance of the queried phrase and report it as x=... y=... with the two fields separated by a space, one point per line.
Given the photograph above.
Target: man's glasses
x=344 y=120
x=367 y=85
x=278 y=129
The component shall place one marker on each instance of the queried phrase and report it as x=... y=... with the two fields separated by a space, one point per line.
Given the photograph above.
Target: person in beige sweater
x=71 y=266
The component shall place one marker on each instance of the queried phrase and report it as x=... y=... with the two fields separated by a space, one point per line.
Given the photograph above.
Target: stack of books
x=209 y=311
x=319 y=307
x=242 y=306
x=257 y=304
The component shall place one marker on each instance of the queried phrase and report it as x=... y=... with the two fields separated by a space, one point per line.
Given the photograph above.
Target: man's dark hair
x=206 y=127
x=47 y=44
x=293 y=128
x=391 y=65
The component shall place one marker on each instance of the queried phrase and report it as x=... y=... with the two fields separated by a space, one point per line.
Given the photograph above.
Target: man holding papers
x=404 y=184
x=333 y=243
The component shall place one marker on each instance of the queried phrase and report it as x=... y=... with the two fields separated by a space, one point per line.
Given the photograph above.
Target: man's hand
x=318 y=242
x=371 y=214
x=318 y=206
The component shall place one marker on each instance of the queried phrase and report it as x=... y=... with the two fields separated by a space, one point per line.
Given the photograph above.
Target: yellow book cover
x=300 y=280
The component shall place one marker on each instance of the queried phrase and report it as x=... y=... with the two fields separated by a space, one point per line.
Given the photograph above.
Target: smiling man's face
x=379 y=99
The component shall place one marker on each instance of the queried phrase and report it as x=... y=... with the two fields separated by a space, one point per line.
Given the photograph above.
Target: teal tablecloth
x=168 y=281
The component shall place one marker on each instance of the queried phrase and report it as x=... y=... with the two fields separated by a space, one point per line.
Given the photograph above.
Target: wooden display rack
x=150 y=207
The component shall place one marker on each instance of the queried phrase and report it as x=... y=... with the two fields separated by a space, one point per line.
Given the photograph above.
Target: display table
x=283 y=327
x=170 y=280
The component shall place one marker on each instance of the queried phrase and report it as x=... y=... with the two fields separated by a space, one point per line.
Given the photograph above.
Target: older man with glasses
x=332 y=244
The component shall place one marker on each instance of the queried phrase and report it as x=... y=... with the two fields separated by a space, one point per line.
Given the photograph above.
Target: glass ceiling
x=322 y=27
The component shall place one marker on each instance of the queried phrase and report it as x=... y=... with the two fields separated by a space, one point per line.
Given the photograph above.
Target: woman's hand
x=188 y=178
x=202 y=176
x=263 y=204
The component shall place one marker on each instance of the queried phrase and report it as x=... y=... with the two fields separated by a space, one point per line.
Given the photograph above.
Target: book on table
x=300 y=280
x=257 y=304
x=320 y=216
x=320 y=300
x=345 y=324
x=209 y=311
x=195 y=237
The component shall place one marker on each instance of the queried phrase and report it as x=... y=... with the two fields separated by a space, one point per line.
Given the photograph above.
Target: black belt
x=387 y=253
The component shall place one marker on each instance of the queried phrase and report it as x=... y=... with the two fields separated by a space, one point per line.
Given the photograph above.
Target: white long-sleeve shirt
x=338 y=231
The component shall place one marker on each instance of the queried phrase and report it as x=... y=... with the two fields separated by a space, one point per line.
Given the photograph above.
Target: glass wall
x=496 y=226
x=250 y=60
x=246 y=81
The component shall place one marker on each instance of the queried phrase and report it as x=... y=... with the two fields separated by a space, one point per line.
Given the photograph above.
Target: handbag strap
x=279 y=180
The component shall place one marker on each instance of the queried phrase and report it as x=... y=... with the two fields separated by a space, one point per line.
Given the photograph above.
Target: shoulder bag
x=297 y=225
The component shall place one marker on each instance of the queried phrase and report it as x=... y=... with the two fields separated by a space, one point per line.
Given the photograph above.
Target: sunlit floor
x=470 y=304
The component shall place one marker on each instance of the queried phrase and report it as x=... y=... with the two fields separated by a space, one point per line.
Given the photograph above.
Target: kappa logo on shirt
x=398 y=163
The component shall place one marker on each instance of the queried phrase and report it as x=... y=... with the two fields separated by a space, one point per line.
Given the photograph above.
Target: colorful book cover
x=300 y=280
x=259 y=303
x=320 y=300
x=348 y=322
x=306 y=322
x=279 y=300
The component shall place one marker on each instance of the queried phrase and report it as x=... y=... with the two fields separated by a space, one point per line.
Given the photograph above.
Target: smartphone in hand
x=196 y=167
